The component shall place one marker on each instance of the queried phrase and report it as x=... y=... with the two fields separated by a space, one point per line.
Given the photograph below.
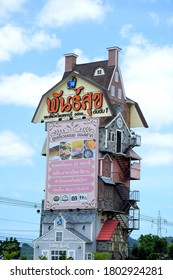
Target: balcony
x=135 y=171
x=135 y=140
x=130 y=221
x=134 y=219
x=134 y=195
x=132 y=173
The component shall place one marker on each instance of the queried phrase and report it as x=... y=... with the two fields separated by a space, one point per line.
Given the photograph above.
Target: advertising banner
x=72 y=164
x=74 y=98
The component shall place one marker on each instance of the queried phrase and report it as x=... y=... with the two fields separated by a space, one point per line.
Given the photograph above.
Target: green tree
x=26 y=250
x=102 y=256
x=150 y=247
x=23 y=257
x=170 y=251
x=9 y=249
x=43 y=258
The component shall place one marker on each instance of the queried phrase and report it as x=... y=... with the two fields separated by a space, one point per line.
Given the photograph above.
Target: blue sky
x=34 y=36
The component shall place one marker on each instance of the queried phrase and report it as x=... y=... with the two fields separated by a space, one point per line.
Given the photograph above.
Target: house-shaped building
x=88 y=203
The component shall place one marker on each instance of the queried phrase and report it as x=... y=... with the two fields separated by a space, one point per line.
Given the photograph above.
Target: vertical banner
x=72 y=164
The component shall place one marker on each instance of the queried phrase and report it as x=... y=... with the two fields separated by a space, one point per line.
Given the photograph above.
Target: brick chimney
x=70 y=61
x=113 y=56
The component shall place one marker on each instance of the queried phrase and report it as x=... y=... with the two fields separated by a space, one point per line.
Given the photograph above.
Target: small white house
x=66 y=235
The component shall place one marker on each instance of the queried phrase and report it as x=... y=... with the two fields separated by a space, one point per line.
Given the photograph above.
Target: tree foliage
x=27 y=251
x=9 y=249
x=152 y=247
x=170 y=251
x=102 y=256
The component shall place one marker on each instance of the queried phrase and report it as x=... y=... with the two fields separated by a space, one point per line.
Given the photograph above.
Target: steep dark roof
x=87 y=70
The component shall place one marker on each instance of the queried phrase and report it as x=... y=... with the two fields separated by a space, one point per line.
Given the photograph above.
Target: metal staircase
x=122 y=163
x=129 y=218
x=125 y=167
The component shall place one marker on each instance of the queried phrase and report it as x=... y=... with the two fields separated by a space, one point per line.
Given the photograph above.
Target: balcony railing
x=134 y=219
x=135 y=140
x=134 y=195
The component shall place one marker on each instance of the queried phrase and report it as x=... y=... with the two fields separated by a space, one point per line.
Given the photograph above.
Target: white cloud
x=158 y=158
x=15 y=40
x=58 y=13
x=25 y=89
x=155 y=18
x=42 y=41
x=14 y=149
x=125 y=30
x=157 y=140
x=9 y=6
x=147 y=73
x=157 y=148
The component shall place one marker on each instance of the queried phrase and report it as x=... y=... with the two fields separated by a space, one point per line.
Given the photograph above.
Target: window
x=99 y=71
x=116 y=76
x=112 y=91
x=111 y=136
x=58 y=255
x=119 y=93
x=89 y=256
x=58 y=236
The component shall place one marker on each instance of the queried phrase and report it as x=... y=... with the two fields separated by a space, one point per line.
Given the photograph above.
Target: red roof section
x=107 y=230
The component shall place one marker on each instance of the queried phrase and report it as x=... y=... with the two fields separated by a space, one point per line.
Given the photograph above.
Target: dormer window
x=99 y=72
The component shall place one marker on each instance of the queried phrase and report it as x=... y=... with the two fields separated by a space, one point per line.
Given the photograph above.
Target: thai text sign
x=73 y=100
x=72 y=160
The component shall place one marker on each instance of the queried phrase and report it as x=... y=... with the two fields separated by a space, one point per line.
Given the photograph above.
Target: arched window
x=99 y=71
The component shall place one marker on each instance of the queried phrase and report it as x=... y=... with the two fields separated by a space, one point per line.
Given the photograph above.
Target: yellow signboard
x=73 y=98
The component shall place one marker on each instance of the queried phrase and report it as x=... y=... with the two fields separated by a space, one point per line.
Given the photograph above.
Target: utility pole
x=159 y=227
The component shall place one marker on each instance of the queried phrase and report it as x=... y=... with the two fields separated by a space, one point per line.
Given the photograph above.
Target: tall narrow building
x=88 y=204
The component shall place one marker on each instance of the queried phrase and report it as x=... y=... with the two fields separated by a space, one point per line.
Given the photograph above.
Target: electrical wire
x=16 y=221
x=27 y=204
x=20 y=203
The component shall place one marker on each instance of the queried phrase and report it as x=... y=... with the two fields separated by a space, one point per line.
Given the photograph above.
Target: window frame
x=99 y=72
x=56 y=255
x=116 y=76
x=112 y=90
x=119 y=93
x=111 y=136
x=60 y=237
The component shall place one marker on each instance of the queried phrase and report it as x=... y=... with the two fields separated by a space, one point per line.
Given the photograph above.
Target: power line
x=20 y=230
x=27 y=204
x=20 y=239
x=20 y=203
x=16 y=221
x=153 y=220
